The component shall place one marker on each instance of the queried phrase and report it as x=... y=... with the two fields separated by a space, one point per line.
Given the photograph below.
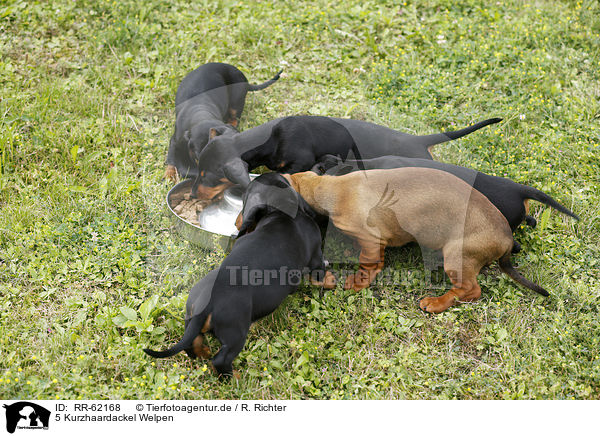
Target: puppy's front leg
x=371 y=264
x=326 y=279
x=319 y=276
x=171 y=173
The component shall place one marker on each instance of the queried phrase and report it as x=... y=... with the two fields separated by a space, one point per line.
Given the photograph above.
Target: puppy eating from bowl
x=393 y=207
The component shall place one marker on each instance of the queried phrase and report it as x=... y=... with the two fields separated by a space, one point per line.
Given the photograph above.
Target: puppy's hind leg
x=198 y=349
x=232 y=335
x=232 y=118
x=237 y=100
x=462 y=272
x=516 y=247
x=531 y=221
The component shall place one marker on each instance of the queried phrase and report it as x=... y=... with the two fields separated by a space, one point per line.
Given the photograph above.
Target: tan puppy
x=431 y=207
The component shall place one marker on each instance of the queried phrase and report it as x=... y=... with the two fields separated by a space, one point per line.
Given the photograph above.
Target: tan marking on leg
x=526 y=204
x=200 y=350
x=327 y=283
x=233 y=119
x=371 y=263
x=171 y=173
x=206 y=327
x=465 y=288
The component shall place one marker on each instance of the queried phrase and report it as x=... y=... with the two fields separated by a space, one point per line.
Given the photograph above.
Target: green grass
x=91 y=270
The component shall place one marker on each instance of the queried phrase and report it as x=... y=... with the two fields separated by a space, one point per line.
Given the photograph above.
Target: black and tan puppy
x=511 y=198
x=428 y=206
x=278 y=242
x=209 y=102
x=296 y=143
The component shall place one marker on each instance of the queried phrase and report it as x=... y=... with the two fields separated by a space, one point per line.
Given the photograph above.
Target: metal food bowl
x=216 y=228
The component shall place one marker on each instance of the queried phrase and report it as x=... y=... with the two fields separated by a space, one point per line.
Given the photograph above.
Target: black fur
x=206 y=99
x=294 y=144
x=506 y=195
x=285 y=238
x=508 y=269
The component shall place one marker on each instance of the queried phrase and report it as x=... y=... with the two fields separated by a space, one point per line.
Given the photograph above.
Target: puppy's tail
x=265 y=84
x=542 y=197
x=437 y=138
x=510 y=271
x=191 y=331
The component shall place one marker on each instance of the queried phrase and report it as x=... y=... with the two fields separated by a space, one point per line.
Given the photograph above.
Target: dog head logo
x=26 y=415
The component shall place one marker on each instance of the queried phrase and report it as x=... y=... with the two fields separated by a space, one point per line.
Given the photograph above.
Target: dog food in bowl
x=208 y=223
x=187 y=207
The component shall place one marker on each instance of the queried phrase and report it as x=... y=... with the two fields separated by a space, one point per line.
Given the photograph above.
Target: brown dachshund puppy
x=428 y=206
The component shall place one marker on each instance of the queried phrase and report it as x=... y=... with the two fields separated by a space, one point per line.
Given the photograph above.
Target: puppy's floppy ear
x=236 y=171
x=282 y=197
x=269 y=193
x=251 y=214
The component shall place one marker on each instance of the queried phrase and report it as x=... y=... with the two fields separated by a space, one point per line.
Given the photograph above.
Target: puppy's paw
x=171 y=173
x=357 y=281
x=516 y=247
x=531 y=221
x=435 y=304
x=329 y=282
x=227 y=375
x=203 y=352
x=349 y=283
